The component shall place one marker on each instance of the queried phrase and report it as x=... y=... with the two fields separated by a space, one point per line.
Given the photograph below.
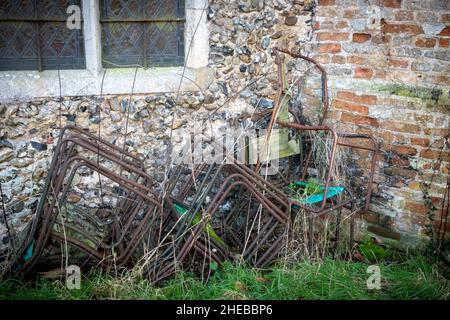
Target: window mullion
x=38 y=35
x=144 y=35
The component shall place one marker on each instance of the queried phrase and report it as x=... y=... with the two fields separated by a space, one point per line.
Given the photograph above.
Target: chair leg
x=352 y=230
x=311 y=235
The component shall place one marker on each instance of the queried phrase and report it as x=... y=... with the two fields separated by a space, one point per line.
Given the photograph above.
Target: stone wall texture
x=388 y=66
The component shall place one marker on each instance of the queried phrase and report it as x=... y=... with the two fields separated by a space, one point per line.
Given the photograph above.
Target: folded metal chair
x=297 y=164
x=111 y=239
x=228 y=211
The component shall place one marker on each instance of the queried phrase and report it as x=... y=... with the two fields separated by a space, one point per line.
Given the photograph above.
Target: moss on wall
x=431 y=97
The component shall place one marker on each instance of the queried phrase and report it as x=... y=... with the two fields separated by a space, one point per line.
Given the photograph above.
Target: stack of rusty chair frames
x=203 y=214
x=109 y=232
x=221 y=212
x=231 y=208
x=297 y=165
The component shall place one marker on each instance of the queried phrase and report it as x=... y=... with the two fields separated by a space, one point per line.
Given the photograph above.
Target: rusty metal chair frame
x=235 y=175
x=141 y=189
x=338 y=141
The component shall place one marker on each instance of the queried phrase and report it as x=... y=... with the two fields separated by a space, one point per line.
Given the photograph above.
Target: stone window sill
x=26 y=85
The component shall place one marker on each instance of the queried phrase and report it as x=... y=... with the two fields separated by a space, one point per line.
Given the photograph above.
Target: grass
x=414 y=278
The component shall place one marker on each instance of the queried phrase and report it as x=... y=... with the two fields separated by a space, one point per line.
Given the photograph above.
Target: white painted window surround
x=24 y=85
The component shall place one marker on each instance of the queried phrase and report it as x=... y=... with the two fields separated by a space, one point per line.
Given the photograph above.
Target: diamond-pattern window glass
x=149 y=33
x=34 y=36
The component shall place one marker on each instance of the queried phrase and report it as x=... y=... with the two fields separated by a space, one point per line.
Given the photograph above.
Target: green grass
x=414 y=278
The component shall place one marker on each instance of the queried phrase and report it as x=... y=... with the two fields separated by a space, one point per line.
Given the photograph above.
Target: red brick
x=425 y=42
x=405 y=150
x=445 y=17
x=363 y=98
x=330 y=48
x=416 y=207
x=443 y=42
x=391 y=3
x=401 y=172
x=445 y=32
x=435 y=154
x=363 y=73
x=401 y=28
x=370 y=216
x=322 y=58
x=442 y=80
x=350 y=14
x=436 y=132
x=381 y=74
x=359 y=119
x=333 y=36
x=348 y=106
x=326 y=2
x=361 y=37
x=341 y=25
x=338 y=59
x=398 y=63
x=357 y=60
x=317 y=25
x=404 y=15
x=401 y=126
x=423 y=142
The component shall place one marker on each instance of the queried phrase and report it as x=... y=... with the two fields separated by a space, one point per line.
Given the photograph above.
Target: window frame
x=144 y=22
x=36 y=23
x=88 y=81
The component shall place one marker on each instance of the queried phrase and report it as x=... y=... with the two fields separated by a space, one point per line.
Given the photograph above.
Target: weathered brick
x=363 y=73
x=445 y=17
x=415 y=186
x=359 y=119
x=381 y=39
x=332 y=36
x=384 y=232
x=352 y=14
x=322 y=58
x=343 y=105
x=401 y=28
x=338 y=59
x=401 y=172
x=443 y=42
x=361 y=37
x=391 y=3
x=357 y=60
x=341 y=25
x=401 y=126
x=362 y=98
x=330 y=48
x=425 y=42
x=326 y=2
x=416 y=207
x=398 y=63
x=316 y=25
x=445 y=32
x=405 y=150
x=435 y=154
x=423 y=142
x=371 y=217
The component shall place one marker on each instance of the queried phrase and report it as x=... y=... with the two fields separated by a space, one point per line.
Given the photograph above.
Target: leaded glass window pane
x=34 y=36
x=147 y=33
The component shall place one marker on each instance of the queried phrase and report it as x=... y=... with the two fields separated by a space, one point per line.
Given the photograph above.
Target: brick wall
x=389 y=67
